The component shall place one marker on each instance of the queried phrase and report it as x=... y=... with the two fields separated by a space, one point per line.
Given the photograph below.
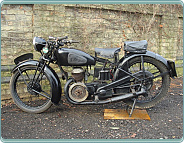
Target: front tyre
x=33 y=96
x=157 y=88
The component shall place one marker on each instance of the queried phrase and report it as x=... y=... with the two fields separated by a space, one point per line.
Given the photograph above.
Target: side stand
x=133 y=107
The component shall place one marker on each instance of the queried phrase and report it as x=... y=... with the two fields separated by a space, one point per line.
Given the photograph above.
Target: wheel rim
x=153 y=86
x=31 y=98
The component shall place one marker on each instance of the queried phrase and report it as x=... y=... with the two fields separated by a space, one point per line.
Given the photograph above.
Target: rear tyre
x=28 y=95
x=157 y=88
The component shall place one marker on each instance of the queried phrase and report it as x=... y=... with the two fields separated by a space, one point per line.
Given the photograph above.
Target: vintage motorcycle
x=140 y=78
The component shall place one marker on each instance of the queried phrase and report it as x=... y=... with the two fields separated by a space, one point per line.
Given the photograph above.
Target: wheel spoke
x=160 y=75
x=42 y=94
x=143 y=69
x=22 y=77
x=46 y=94
x=156 y=72
x=27 y=76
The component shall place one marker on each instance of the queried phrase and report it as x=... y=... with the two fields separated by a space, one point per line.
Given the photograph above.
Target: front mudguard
x=53 y=77
x=168 y=63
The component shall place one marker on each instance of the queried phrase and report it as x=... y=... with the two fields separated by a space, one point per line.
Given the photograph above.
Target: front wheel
x=31 y=89
x=156 y=83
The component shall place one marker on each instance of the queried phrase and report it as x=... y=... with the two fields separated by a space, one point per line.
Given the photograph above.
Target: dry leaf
x=114 y=128
x=133 y=136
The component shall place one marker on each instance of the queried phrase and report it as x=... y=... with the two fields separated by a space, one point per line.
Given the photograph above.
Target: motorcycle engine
x=78 y=91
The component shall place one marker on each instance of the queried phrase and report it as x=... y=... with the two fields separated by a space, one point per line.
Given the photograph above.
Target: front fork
x=34 y=81
x=41 y=70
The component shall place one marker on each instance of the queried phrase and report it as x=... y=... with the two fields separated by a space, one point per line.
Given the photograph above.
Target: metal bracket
x=132 y=109
x=96 y=98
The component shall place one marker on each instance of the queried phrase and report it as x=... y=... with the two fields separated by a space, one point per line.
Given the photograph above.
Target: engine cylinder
x=78 y=74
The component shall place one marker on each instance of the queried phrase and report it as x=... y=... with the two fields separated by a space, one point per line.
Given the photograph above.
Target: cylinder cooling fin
x=78 y=74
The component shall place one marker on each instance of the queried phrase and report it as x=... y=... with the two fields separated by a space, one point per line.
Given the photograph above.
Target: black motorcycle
x=140 y=78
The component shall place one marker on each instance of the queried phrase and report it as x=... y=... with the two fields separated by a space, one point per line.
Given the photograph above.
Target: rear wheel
x=154 y=79
x=33 y=96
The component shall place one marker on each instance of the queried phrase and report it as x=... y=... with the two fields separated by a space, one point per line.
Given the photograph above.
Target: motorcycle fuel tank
x=73 y=57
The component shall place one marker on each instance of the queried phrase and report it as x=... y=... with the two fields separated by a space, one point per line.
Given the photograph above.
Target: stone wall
x=93 y=25
x=16 y=31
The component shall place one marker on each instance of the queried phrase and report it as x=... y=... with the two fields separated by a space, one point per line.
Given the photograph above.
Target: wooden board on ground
x=123 y=114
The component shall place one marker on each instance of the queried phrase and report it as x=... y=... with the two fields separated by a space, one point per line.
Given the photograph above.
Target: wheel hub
x=33 y=86
x=148 y=83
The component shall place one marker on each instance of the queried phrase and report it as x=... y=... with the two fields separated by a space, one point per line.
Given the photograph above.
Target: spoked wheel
x=33 y=96
x=152 y=75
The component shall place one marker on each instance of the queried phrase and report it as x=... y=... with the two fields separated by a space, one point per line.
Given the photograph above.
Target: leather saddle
x=107 y=52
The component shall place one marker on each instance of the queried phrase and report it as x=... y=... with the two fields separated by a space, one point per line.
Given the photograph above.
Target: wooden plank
x=122 y=114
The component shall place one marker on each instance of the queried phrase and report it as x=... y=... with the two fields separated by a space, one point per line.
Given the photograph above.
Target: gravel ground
x=86 y=122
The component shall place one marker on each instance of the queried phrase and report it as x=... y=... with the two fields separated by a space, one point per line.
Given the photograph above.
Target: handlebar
x=62 y=40
x=72 y=41
x=58 y=38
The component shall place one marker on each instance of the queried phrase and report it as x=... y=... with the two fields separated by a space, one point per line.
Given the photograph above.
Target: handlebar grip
x=52 y=38
x=62 y=38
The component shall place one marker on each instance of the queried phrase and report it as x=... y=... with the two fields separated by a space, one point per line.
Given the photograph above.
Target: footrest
x=122 y=114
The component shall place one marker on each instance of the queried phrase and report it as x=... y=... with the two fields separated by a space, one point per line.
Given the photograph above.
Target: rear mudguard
x=169 y=64
x=53 y=77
